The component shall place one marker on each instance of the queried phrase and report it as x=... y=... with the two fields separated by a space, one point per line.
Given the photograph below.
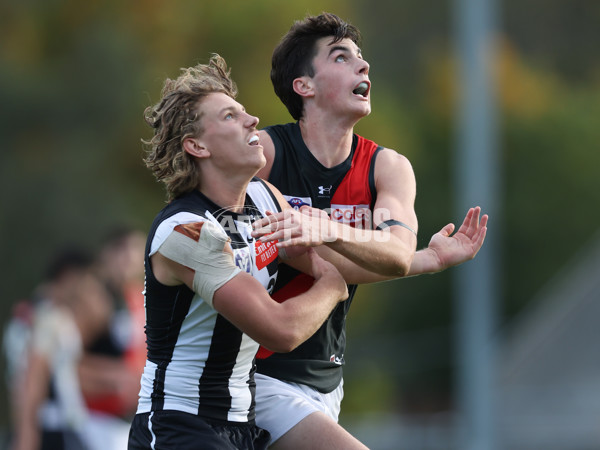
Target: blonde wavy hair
x=177 y=117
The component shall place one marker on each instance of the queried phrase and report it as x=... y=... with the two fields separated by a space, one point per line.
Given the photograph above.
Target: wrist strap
x=389 y=223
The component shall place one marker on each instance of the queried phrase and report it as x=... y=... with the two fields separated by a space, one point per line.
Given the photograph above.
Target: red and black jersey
x=347 y=192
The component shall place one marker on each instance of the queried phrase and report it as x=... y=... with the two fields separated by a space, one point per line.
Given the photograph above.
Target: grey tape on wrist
x=205 y=256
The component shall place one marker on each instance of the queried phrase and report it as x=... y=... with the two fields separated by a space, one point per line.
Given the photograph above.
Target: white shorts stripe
x=153 y=443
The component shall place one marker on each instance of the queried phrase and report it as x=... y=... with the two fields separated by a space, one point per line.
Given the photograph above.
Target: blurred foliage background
x=75 y=78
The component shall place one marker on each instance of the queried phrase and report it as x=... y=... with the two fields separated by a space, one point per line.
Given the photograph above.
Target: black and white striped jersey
x=197 y=361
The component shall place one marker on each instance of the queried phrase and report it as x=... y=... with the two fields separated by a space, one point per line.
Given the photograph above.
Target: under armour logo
x=323 y=190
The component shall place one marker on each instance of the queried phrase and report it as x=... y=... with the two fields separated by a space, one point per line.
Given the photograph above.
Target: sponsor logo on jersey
x=298 y=202
x=336 y=359
x=325 y=191
x=357 y=215
x=266 y=252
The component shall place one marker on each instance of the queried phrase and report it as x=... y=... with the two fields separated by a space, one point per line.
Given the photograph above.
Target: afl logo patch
x=298 y=202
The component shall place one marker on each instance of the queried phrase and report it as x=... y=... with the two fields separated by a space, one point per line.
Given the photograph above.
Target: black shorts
x=171 y=430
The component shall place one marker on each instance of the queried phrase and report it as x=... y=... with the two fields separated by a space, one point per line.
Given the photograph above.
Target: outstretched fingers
x=481 y=232
x=471 y=224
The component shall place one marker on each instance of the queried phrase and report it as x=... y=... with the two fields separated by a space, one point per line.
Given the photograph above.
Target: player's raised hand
x=452 y=250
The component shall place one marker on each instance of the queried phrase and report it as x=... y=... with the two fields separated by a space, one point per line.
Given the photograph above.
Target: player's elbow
x=286 y=336
x=399 y=266
x=404 y=259
x=282 y=347
x=283 y=342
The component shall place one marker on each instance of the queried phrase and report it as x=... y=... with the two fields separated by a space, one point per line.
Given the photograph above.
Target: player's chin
x=258 y=151
x=364 y=106
x=363 y=112
x=262 y=161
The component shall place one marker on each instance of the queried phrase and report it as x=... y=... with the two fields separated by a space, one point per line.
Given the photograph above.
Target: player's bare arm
x=246 y=304
x=445 y=249
x=308 y=226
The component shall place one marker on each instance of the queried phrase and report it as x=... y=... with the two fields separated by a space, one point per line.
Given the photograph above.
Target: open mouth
x=362 y=89
x=253 y=140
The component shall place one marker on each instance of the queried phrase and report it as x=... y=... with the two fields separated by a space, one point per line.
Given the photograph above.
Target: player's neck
x=227 y=192
x=329 y=142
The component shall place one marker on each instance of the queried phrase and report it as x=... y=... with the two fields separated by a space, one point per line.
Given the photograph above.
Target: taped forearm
x=199 y=246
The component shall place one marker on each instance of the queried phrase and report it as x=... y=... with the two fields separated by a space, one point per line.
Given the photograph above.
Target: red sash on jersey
x=351 y=201
x=298 y=285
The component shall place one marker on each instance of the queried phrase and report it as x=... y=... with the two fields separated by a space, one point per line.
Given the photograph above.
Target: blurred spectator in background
x=75 y=351
x=111 y=367
x=15 y=340
x=70 y=310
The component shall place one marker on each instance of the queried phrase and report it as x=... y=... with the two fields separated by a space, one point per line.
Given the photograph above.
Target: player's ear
x=194 y=147
x=303 y=86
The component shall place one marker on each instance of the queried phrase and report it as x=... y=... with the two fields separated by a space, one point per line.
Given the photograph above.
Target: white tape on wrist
x=199 y=246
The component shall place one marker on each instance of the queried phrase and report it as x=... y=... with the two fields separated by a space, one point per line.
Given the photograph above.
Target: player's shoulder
x=392 y=169
x=168 y=224
x=390 y=158
x=278 y=196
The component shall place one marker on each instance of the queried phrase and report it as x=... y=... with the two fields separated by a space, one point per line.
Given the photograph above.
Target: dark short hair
x=293 y=56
